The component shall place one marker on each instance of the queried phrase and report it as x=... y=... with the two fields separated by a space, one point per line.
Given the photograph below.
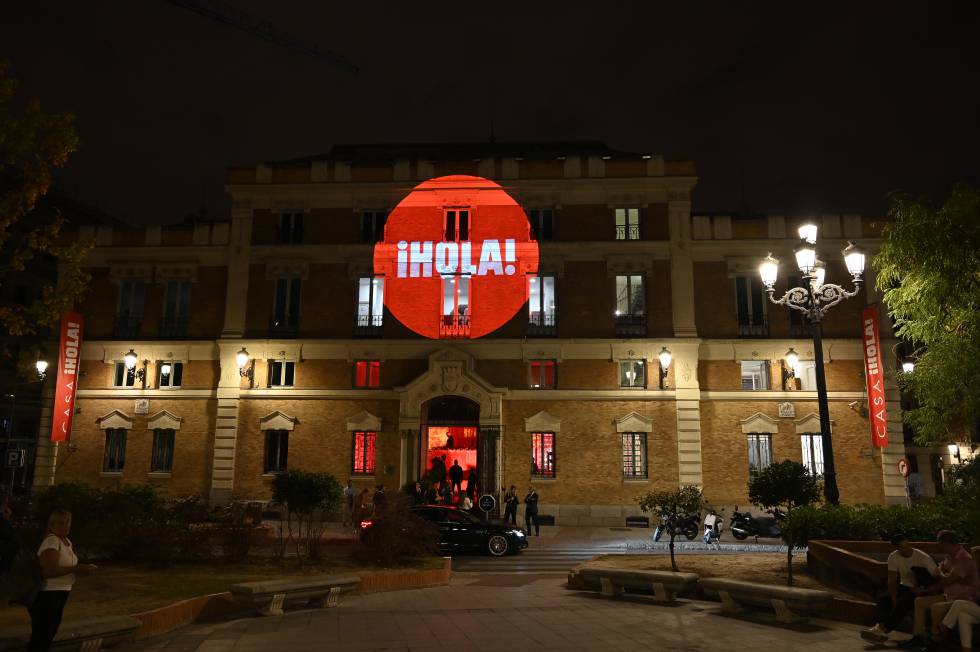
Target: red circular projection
x=455 y=258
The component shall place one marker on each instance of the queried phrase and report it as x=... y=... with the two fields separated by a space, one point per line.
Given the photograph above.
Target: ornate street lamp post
x=814 y=299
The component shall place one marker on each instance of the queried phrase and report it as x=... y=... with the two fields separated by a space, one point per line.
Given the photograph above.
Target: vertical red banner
x=69 y=354
x=874 y=372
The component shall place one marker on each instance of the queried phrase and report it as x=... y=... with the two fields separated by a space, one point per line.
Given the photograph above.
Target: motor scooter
x=744 y=525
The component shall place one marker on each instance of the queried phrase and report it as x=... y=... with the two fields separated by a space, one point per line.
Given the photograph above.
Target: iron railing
x=631 y=325
x=542 y=324
x=367 y=325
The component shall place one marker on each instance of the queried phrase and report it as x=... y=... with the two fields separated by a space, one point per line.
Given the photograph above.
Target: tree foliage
x=32 y=145
x=786 y=485
x=309 y=499
x=673 y=505
x=929 y=271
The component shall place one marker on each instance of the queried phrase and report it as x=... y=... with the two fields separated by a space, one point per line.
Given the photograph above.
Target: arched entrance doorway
x=450 y=428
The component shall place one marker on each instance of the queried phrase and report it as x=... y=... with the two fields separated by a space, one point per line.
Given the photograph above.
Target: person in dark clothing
x=531 y=512
x=471 y=484
x=419 y=494
x=8 y=538
x=379 y=499
x=446 y=494
x=511 y=501
x=450 y=442
x=438 y=473
x=456 y=477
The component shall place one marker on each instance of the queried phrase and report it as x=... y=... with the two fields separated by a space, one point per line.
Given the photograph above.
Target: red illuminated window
x=543 y=454
x=455 y=307
x=542 y=374
x=363 y=452
x=367 y=373
x=457 y=224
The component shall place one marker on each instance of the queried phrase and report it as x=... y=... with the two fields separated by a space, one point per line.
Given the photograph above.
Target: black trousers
x=530 y=517
x=510 y=514
x=46 y=612
x=892 y=612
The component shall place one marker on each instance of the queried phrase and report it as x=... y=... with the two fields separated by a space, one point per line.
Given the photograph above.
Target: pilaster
x=239 y=244
x=226 y=425
x=681 y=269
x=892 y=481
x=687 y=395
x=46 y=456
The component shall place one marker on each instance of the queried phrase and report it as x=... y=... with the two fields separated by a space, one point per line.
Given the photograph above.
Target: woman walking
x=59 y=567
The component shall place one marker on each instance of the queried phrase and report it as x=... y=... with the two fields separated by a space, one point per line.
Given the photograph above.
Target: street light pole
x=814 y=300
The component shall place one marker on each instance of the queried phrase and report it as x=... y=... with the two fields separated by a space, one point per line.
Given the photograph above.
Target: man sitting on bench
x=911 y=573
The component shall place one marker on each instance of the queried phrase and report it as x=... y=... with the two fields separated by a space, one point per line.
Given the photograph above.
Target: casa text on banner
x=69 y=355
x=874 y=372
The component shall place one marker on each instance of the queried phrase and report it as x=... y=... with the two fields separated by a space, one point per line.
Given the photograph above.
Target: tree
x=929 y=271
x=672 y=506
x=308 y=499
x=32 y=145
x=786 y=485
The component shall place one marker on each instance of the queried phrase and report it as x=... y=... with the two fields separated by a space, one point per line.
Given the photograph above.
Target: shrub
x=398 y=536
x=673 y=505
x=309 y=499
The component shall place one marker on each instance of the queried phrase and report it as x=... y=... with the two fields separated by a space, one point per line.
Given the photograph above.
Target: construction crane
x=226 y=14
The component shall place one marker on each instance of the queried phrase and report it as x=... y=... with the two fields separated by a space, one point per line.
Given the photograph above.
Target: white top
x=903 y=566
x=66 y=557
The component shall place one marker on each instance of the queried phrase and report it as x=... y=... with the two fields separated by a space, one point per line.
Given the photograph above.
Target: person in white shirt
x=910 y=574
x=59 y=567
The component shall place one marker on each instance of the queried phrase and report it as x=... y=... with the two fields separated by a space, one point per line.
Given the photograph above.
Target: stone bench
x=87 y=635
x=269 y=596
x=665 y=585
x=788 y=602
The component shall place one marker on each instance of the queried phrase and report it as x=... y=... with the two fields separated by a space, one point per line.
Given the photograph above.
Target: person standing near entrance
x=531 y=512
x=511 y=501
x=471 y=481
x=349 y=502
x=456 y=477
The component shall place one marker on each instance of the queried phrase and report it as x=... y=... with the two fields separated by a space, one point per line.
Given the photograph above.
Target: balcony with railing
x=126 y=327
x=173 y=328
x=283 y=327
x=800 y=330
x=454 y=327
x=628 y=232
x=367 y=325
x=750 y=330
x=542 y=324
x=631 y=325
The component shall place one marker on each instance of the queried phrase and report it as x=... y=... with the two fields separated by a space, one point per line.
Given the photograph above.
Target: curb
x=703 y=547
x=221 y=606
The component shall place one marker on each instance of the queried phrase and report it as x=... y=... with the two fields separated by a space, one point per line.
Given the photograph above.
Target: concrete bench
x=788 y=602
x=665 y=585
x=316 y=590
x=88 y=635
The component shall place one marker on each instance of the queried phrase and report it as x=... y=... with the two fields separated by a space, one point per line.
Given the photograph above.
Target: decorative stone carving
x=186 y=271
x=786 y=410
x=542 y=422
x=809 y=423
x=634 y=422
x=115 y=419
x=164 y=420
x=364 y=420
x=287 y=268
x=759 y=422
x=277 y=421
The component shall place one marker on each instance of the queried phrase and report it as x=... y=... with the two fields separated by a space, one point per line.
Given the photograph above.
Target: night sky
x=826 y=108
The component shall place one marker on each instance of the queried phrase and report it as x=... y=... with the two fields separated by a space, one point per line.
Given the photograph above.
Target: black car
x=461 y=531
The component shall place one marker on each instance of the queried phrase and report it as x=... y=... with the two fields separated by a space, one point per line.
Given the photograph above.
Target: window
x=627 y=223
x=370 y=301
x=634 y=455
x=457 y=225
x=543 y=454
x=542 y=374
x=176 y=309
x=162 y=458
x=170 y=373
x=632 y=373
x=123 y=377
x=373 y=226
x=285 y=306
x=281 y=373
x=290 y=228
x=750 y=304
x=455 y=306
x=630 y=299
x=542 y=223
x=541 y=301
x=367 y=373
x=760 y=451
x=812 y=444
x=129 y=311
x=115 y=450
x=364 y=453
x=806 y=374
x=276 y=451
x=755 y=375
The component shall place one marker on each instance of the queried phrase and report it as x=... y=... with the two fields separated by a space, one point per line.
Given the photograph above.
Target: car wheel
x=498 y=545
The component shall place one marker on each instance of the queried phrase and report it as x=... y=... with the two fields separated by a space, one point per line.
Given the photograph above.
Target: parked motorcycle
x=686 y=525
x=743 y=525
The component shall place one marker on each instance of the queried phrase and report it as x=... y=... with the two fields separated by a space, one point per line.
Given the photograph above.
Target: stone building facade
x=567 y=395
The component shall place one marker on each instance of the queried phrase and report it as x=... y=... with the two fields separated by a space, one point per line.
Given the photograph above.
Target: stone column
x=46 y=455
x=239 y=245
x=681 y=269
x=226 y=425
x=687 y=395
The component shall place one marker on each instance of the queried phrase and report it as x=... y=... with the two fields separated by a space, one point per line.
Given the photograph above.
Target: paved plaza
x=504 y=612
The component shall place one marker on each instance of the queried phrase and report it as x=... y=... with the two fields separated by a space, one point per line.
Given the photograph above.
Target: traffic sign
x=487 y=502
x=903 y=467
x=16 y=458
